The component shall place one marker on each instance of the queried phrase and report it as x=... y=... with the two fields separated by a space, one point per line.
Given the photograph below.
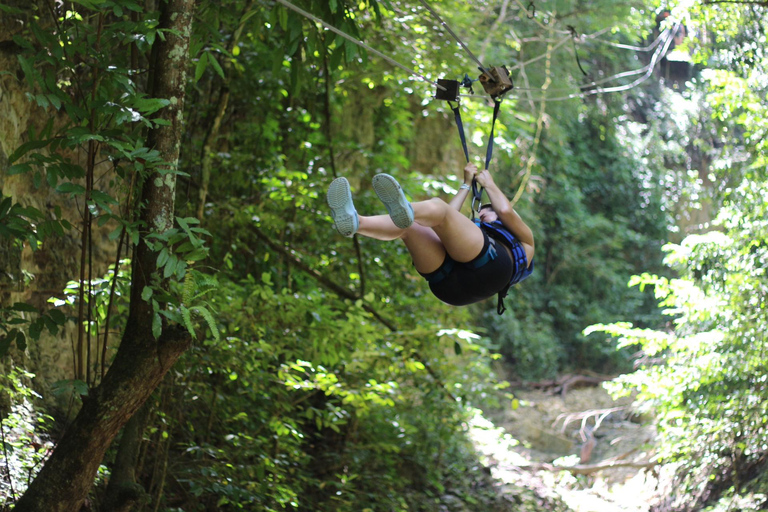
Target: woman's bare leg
x=462 y=239
x=426 y=249
x=438 y=228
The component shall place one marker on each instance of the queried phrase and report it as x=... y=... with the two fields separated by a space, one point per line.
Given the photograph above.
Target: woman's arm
x=507 y=215
x=458 y=200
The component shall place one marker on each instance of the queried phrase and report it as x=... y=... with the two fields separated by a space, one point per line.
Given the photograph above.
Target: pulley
x=496 y=81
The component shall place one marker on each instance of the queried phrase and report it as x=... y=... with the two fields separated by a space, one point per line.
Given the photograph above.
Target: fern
x=189 y=288
x=209 y=320
x=186 y=315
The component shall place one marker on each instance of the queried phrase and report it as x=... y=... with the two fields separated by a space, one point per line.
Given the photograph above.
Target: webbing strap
x=489 y=150
x=460 y=126
x=477 y=192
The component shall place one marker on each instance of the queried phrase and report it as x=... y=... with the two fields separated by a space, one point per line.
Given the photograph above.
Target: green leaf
x=80 y=387
x=113 y=235
x=19 y=169
x=35 y=329
x=21 y=341
x=196 y=254
x=170 y=267
x=31 y=75
x=70 y=188
x=162 y=258
x=202 y=63
x=457 y=348
x=157 y=325
x=187 y=317
x=146 y=293
x=215 y=63
x=5 y=343
x=102 y=198
x=150 y=105
x=55 y=101
x=5 y=206
x=23 y=306
x=57 y=316
x=50 y=325
x=209 y=320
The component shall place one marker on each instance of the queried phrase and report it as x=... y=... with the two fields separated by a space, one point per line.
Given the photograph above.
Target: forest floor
x=606 y=446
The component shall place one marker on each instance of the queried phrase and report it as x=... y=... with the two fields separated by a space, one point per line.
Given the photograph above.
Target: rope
x=357 y=42
x=438 y=18
x=575 y=36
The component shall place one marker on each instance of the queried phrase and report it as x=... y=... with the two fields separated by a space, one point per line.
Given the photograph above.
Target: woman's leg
x=462 y=238
x=426 y=249
x=437 y=229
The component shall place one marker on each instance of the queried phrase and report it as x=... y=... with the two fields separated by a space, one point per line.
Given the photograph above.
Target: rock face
x=28 y=275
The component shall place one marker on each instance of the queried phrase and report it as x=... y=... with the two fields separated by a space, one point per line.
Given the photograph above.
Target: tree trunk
x=122 y=491
x=141 y=361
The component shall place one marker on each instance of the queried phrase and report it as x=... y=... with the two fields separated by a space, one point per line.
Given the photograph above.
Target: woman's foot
x=342 y=209
x=391 y=194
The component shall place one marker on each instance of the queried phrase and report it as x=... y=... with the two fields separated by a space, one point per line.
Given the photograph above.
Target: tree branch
x=586 y=469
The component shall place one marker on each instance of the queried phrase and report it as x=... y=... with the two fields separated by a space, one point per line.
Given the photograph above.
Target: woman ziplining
x=463 y=260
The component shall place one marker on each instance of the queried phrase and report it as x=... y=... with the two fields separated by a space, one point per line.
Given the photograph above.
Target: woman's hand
x=484 y=178
x=470 y=170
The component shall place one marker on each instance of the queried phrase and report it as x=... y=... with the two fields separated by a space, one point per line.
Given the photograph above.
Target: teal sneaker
x=342 y=209
x=391 y=194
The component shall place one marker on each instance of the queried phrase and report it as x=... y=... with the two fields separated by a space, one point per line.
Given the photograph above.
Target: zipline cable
x=648 y=69
x=648 y=72
x=444 y=24
x=664 y=36
x=356 y=41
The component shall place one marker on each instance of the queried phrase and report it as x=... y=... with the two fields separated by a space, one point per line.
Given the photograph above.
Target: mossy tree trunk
x=141 y=361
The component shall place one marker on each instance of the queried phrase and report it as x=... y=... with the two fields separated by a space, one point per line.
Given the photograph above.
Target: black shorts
x=459 y=284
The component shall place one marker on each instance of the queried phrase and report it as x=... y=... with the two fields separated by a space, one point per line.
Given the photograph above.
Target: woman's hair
x=486 y=205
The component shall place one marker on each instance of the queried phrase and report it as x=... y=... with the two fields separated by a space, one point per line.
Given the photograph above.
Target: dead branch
x=598 y=414
x=588 y=469
x=568 y=381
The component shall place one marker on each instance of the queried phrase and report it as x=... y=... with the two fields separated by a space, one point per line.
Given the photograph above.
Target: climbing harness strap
x=449 y=263
x=496 y=233
x=442 y=272
x=477 y=192
x=497 y=230
x=460 y=126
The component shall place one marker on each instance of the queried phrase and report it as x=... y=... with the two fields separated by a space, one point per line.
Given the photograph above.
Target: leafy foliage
x=301 y=390
x=703 y=374
x=25 y=443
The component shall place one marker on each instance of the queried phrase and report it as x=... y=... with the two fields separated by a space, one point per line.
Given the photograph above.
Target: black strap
x=500 y=308
x=460 y=126
x=489 y=150
x=477 y=192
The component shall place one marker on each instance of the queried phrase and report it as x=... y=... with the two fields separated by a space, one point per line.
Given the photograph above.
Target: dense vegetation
x=288 y=368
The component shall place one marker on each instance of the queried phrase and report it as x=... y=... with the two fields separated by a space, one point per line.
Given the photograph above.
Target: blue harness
x=497 y=231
